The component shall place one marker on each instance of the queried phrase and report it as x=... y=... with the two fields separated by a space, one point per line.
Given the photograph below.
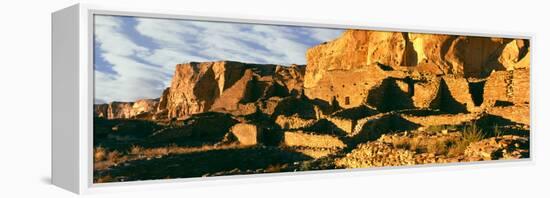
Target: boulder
x=246 y=134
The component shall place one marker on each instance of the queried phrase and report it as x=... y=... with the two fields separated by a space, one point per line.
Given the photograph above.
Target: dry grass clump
x=275 y=168
x=114 y=156
x=100 y=154
x=104 y=179
x=104 y=158
x=136 y=150
x=424 y=145
x=440 y=147
x=471 y=133
x=451 y=147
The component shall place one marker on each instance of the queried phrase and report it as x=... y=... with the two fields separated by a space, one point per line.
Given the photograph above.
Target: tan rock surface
x=507 y=87
x=126 y=110
x=505 y=147
x=376 y=154
x=341 y=70
x=247 y=134
x=226 y=86
x=301 y=138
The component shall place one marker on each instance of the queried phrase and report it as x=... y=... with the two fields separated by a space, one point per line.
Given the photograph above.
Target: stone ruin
x=391 y=71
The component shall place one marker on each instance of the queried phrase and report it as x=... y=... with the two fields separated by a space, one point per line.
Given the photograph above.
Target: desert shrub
x=161 y=151
x=439 y=147
x=417 y=145
x=136 y=150
x=497 y=132
x=114 y=156
x=413 y=144
x=471 y=133
x=275 y=168
x=402 y=143
x=100 y=153
x=104 y=179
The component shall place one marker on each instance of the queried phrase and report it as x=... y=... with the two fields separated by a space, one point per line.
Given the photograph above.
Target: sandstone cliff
x=377 y=68
x=115 y=110
x=227 y=86
x=383 y=70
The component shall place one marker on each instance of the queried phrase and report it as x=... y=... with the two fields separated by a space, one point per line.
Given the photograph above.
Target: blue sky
x=135 y=58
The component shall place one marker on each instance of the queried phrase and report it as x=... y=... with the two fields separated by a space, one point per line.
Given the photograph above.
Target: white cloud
x=232 y=41
x=143 y=71
x=321 y=34
x=133 y=80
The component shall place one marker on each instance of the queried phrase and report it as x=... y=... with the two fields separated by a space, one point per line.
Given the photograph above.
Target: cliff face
x=125 y=110
x=354 y=50
x=370 y=67
x=384 y=70
x=462 y=55
x=226 y=86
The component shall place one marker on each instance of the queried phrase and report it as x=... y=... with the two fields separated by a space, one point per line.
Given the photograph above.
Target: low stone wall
x=497 y=88
x=293 y=122
x=347 y=125
x=521 y=86
x=507 y=86
x=445 y=119
x=425 y=92
x=516 y=113
x=459 y=91
x=309 y=140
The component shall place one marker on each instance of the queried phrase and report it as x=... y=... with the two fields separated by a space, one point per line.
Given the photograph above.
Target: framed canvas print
x=145 y=97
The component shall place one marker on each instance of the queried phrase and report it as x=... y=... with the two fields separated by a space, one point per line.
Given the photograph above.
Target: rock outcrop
x=142 y=108
x=365 y=67
x=246 y=134
x=226 y=86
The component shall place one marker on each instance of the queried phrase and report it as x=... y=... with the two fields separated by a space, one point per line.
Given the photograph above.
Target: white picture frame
x=72 y=101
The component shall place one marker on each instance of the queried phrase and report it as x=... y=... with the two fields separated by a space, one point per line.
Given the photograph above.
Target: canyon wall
x=365 y=67
x=223 y=86
x=385 y=71
x=125 y=110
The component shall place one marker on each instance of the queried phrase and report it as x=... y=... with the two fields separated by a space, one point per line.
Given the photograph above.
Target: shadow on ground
x=201 y=163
